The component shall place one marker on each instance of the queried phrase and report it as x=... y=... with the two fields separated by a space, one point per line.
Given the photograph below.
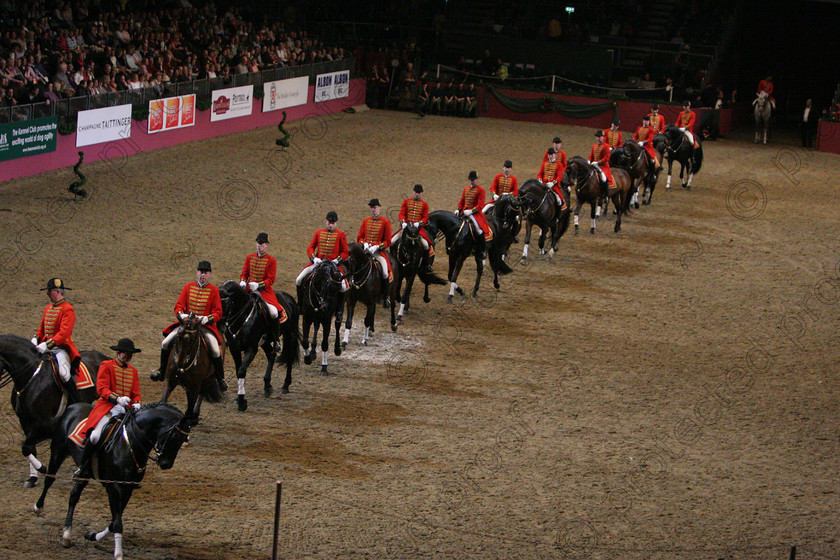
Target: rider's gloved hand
x=123 y=401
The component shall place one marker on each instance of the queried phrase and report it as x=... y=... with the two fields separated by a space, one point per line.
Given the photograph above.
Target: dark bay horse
x=246 y=327
x=505 y=219
x=461 y=242
x=540 y=208
x=38 y=398
x=632 y=158
x=120 y=460
x=365 y=287
x=680 y=149
x=190 y=366
x=583 y=177
x=407 y=264
x=321 y=300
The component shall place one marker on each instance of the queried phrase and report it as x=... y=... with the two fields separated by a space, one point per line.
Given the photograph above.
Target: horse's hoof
x=394 y=327
x=307 y=360
x=448 y=299
x=426 y=299
x=364 y=342
x=344 y=344
x=90 y=535
x=459 y=291
x=687 y=187
x=645 y=202
x=399 y=320
x=324 y=371
x=30 y=482
x=268 y=390
x=617 y=229
x=636 y=204
x=65 y=540
x=592 y=231
x=284 y=390
x=542 y=251
x=38 y=509
x=242 y=403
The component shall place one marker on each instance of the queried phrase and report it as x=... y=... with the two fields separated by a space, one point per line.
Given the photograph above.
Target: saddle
x=77 y=436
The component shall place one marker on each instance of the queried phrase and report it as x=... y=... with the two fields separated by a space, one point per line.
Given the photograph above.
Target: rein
x=198 y=345
x=402 y=251
x=129 y=419
x=247 y=307
x=30 y=380
x=366 y=275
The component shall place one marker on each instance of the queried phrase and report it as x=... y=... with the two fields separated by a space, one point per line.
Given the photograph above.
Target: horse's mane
x=232 y=286
x=578 y=160
x=356 y=252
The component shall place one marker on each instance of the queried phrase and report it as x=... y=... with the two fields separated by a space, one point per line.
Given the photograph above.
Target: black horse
x=632 y=158
x=407 y=264
x=366 y=286
x=38 y=397
x=320 y=301
x=247 y=328
x=540 y=208
x=462 y=240
x=120 y=459
x=678 y=148
x=505 y=219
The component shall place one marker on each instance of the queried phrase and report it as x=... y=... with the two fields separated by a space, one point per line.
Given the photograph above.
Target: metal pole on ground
x=276 y=520
x=793 y=553
x=552 y=82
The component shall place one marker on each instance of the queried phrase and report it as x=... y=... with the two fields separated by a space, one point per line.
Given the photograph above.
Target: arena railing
x=67 y=109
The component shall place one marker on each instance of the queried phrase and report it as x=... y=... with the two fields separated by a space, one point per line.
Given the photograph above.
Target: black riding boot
x=386 y=284
x=339 y=313
x=158 y=375
x=219 y=366
x=85 y=469
x=276 y=327
x=73 y=394
x=430 y=260
x=299 y=296
x=605 y=189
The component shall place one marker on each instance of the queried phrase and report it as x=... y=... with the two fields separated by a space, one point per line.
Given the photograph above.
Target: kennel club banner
x=231 y=102
x=28 y=138
x=285 y=93
x=103 y=125
x=334 y=85
x=171 y=112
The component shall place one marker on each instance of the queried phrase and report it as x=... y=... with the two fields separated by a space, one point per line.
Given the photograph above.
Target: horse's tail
x=432 y=278
x=290 y=353
x=211 y=391
x=698 y=160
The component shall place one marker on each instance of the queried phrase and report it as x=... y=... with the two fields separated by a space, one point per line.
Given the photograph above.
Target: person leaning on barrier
x=471 y=102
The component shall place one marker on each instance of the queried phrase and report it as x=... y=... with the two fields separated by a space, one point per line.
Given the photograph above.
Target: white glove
x=205 y=319
x=456 y=212
x=182 y=315
x=117 y=409
x=468 y=212
x=253 y=286
x=495 y=197
x=403 y=224
x=123 y=401
x=34 y=341
x=136 y=406
x=366 y=246
x=373 y=249
x=316 y=260
x=41 y=347
x=417 y=224
x=242 y=283
x=595 y=164
x=336 y=260
x=551 y=184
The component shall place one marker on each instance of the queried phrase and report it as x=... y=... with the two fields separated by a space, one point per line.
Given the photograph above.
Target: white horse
x=763 y=109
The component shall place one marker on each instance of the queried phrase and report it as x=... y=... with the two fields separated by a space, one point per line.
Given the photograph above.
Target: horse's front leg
x=619 y=200
x=348 y=325
x=578 y=204
x=370 y=316
x=409 y=284
x=593 y=207
x=270 y=356
x=35 y=466
x=167 y=388
x=479 y=265
x=247 y=358
x=670 y=163
x=528 y=225
x=58 y=452
x=325 y=343
x=66 y=532
x=307 y=323
x=454 y=271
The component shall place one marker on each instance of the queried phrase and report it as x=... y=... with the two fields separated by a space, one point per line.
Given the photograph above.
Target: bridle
x=402 y=249
x=194 y=351
x=312 y=288
x=248 y=307
x=146 y=444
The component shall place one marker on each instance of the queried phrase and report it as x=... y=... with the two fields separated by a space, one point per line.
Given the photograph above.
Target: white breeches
x=396 y=237
x=63 y=364
x=212 y=343
x=383 y=264
x=306 y=271
x=487 y=207
x=116 y=410
x=272 y=311
x=688 y=135
x=601 y=174
x=475 y=223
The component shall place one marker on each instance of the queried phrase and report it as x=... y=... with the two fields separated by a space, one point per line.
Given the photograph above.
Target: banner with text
x=334 y=85
x=28 y=138
x=231 y=102
x=171 y=112
x=285 y=93
x=103 y=125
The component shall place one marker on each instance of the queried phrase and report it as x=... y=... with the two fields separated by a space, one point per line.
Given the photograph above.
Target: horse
x=320 y=302
x=407 y=264
x=39 y=398
x=190 y=366
x=632 y=158
x=581 y=175
x=246 y=327
x=762 y=112
x=460 y=234
x=505 y=219
x=365 y=286
x=121 y=459
x=540 y=209
x=680 y=149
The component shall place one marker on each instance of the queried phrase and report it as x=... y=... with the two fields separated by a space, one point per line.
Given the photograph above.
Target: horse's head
x=508 y=211
x=324 y=284
x=674 y=137
x=576 y=171
x=187 y=342
x=167 y=427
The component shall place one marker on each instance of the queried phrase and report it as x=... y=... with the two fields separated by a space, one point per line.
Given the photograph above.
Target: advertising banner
x=231 y=102
x=28 y=138
x=334 y=85
x=285 y=93
x=171 y=112
x=103 y=125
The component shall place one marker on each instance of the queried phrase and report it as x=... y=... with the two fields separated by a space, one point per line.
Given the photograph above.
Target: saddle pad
x=84 y=380
x=77 y=436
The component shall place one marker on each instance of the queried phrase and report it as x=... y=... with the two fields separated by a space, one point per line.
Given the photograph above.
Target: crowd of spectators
x=54 y=49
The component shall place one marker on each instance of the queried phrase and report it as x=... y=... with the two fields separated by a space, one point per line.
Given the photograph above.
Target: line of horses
x=46 y=411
